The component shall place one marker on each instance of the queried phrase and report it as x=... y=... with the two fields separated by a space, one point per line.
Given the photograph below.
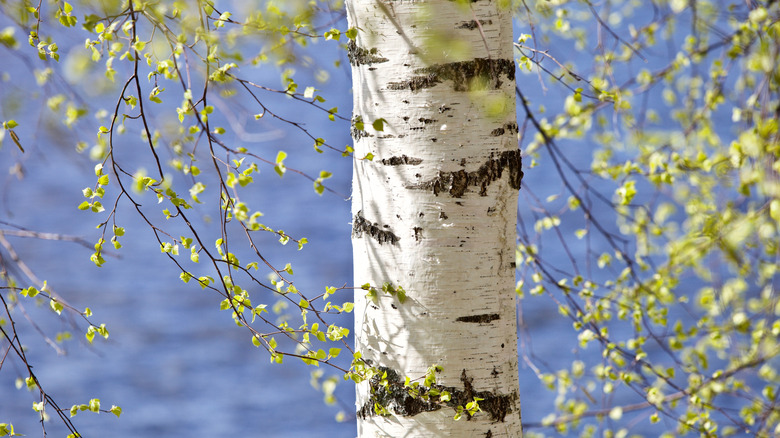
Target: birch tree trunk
x=434 y=212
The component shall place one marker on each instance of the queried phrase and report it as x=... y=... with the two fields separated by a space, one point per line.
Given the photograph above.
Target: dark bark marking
x=495 y=405
x=443 y=215
x=416 y=83
x=471 y=25
x=425 y=121
x=360 y=225
x=511 y=127
x=356 y=133
x=456 y=183
x=479 y=319
x=396 y=398
x=359 y=55
x=403 y=159
x=463 y=74
x=417 y=233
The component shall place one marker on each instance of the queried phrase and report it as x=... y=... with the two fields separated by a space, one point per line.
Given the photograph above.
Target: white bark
x=435 y=211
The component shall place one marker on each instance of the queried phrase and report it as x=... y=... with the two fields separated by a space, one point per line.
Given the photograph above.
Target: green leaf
x=280 y=167
x=379 y=124
x=90 y=334
x=116 y=410
x=56 y=306
x=194 y=255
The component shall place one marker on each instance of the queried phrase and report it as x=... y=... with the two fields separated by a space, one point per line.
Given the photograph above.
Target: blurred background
x=175 y=363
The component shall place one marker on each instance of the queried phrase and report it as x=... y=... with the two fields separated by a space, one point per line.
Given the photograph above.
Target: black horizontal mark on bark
x=456 y=183
x=360 y=56
x=511 y=127
x=481 y=319
x=403 y=159
x=478 y=73
x=396 y=398
x=471 y=25
x=360 y=225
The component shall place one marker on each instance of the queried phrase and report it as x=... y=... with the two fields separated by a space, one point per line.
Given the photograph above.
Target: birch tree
x=647 y=256
x=434 y=205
